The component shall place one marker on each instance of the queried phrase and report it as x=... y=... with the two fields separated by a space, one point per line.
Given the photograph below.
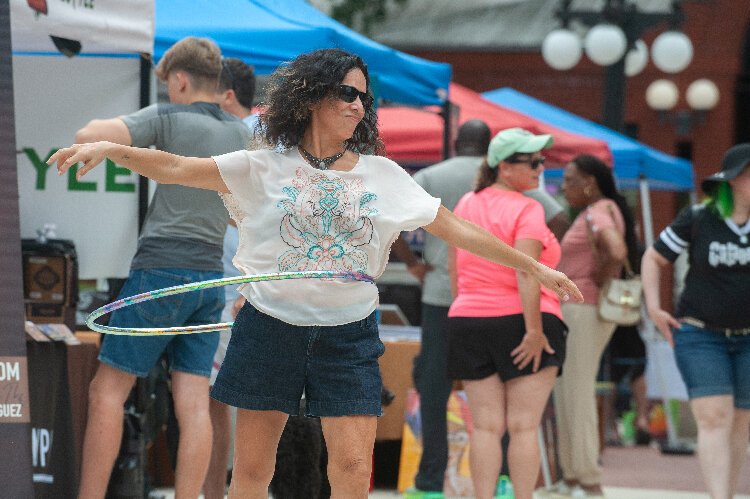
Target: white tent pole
x=546 y=473
x=648 y=223
x=648 y=236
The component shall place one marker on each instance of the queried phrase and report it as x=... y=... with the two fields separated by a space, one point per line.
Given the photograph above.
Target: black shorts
x=480 y=346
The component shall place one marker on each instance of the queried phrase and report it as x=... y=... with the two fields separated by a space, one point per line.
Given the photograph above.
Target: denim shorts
x=269 y=364
x=189 y=353
x=713 y=364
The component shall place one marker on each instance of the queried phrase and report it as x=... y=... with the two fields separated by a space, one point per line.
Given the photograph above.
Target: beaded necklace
x=320 y=163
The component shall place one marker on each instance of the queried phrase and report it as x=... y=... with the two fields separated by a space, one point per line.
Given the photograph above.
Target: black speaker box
x=50 y=281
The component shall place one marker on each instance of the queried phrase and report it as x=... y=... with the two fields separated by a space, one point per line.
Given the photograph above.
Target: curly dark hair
x=591 y=165
x=307 y=80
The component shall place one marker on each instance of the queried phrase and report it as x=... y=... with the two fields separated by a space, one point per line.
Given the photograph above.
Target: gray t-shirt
x=551 y=207
x=185 y=226
x=448 y=180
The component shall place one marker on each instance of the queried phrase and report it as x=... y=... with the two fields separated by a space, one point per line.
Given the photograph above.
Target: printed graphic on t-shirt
x=728 y=254
x=326 y=222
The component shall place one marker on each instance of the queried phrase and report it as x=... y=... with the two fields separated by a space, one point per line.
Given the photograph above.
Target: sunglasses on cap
x=534 y=163
x=349 y=94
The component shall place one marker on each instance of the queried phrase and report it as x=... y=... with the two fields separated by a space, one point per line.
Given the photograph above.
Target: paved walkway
x=646 y=467
x=629 y=473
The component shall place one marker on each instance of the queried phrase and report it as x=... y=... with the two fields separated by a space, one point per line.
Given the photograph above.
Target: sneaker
x=579 y=492
x=414 y=493
x=559 y=490
x=504 y=488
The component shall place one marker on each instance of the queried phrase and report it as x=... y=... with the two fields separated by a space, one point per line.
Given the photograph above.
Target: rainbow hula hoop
x=195 y=286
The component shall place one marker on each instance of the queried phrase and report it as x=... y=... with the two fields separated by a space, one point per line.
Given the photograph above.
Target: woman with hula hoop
x=318 y=198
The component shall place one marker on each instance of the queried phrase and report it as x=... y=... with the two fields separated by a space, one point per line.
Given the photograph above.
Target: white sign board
x=55 y=96
x=102 y=26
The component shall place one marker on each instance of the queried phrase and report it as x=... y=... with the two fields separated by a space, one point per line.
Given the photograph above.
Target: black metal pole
x=145 y=100
x=613 y=114
x=15 y=417
x=446 y=113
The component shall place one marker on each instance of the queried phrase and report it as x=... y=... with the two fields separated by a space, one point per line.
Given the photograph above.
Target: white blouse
x=293 y=217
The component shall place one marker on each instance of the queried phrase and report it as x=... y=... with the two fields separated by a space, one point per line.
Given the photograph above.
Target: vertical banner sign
x=54 y=97
x=15 y=434
x=99 y=212
x=52 y=449
x=14 y=390
x=100 y=26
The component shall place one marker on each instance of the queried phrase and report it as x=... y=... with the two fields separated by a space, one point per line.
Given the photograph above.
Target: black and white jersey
x=717 y=286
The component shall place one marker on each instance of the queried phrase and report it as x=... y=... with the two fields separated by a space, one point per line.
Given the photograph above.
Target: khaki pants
x=575 y=393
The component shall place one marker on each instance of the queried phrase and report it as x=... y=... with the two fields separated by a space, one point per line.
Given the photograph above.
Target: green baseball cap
x=514 y=140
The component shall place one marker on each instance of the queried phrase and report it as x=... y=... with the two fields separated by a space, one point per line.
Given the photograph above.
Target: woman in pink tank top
x=506 y=335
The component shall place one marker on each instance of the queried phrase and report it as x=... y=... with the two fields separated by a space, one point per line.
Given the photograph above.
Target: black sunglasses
x=533 y=163
x=349 y=94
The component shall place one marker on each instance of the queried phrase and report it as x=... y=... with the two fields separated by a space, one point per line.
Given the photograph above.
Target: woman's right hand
x=90 y=154
x=530 y=350
x=664 y=322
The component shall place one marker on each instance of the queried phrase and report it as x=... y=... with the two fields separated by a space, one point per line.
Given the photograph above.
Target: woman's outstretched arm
x=163 y=167
x=463 y=234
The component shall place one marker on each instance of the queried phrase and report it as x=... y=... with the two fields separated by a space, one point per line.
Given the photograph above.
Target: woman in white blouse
x=315 y=199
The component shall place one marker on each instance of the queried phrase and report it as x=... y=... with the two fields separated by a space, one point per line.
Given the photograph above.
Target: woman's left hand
x=530 y=350
x=559 y=283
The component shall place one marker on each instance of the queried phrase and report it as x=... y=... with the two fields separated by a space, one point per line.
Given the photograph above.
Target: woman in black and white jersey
x=710 y=329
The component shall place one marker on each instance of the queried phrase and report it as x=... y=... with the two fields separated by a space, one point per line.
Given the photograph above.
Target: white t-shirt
x=293 y=217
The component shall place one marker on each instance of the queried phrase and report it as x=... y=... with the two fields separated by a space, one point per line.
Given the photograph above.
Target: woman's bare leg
x=527 y=397
x=257 y=437
x=486 y=398
x=350 y=441
x=715 y=416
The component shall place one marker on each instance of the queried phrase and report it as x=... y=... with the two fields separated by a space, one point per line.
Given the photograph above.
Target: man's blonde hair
x=200 y=58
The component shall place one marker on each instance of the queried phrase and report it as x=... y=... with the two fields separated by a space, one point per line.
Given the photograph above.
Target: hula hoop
x=194 y=286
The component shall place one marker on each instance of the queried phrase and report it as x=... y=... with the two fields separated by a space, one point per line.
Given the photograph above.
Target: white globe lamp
x=561 y=49
x=605 y=44
x=672 y=51
x=636 y=58
x=702 y=95
x=662 y=95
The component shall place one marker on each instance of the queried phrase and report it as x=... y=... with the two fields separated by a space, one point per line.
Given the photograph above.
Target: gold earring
x=587 y=191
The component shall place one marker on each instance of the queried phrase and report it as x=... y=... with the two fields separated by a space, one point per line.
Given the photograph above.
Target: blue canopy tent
x=636 y=165
x=266 y=33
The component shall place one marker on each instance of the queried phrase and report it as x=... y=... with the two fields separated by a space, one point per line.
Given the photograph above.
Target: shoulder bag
x=619 y=298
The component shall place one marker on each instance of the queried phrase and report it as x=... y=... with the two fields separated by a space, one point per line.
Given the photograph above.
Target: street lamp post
x=702 y=95
x=613 y=41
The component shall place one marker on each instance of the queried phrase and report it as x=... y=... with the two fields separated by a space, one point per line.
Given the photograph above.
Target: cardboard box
x=395 y=368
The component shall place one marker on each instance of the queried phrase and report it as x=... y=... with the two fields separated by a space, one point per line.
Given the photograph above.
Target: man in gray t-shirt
x=448 y=180
x=181 y=241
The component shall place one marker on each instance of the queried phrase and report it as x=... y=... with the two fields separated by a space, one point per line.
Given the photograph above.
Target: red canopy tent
x=415 y=136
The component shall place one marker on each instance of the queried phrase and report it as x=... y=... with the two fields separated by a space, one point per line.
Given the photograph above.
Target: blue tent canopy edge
x=632 y=159
x=266 y=33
